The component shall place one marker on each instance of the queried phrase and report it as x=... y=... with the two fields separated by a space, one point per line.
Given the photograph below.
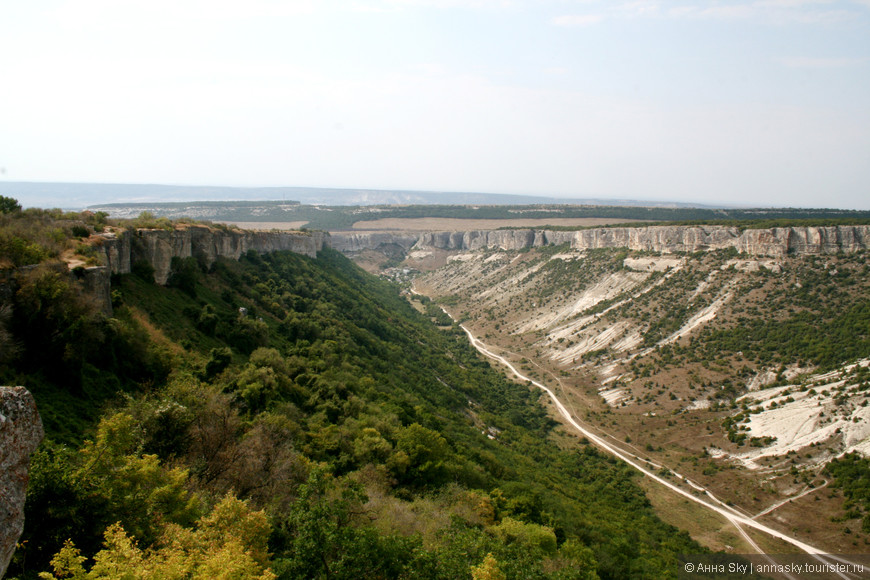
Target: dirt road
x=731 y=514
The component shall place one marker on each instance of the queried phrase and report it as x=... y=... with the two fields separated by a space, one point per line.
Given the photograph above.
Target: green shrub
x=144 y=270
x=9 y=205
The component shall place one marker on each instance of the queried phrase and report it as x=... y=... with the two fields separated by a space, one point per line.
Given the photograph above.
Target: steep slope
x=667 y=353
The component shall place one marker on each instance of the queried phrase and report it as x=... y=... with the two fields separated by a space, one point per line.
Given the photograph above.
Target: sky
x=743 y=102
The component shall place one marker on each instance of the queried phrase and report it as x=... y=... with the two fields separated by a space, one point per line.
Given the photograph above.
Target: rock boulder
x=20 y=433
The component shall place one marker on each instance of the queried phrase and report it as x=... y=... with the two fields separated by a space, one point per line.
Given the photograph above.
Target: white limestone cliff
x=774 y=242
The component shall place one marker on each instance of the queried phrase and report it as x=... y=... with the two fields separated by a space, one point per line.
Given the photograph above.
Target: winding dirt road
x=738 y=519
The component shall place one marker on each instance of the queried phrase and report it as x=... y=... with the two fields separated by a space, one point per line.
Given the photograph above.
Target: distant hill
x=81 y=195
x=343 y=217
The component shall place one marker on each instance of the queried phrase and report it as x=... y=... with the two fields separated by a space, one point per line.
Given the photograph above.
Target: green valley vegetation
x=287 y=417
x=851 y=474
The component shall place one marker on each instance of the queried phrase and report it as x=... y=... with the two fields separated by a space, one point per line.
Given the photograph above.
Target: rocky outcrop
x=494 y=239
x=20 y=434
x=353 y=242
x=657 y=238
x=763 y=242
x=806 y=240
x=158 y=247
x=96 y=282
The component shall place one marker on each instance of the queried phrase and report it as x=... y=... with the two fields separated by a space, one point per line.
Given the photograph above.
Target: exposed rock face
x=806 y=240
x=657 y=238
x=480 y=239
x=352 y=242
x=765 y=242
x=96 y=282
x=20 y=433
x=158 y=247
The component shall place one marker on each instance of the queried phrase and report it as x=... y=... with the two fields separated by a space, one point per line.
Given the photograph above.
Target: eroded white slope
x=699 y=318
x=824 y=410
x=607 y=288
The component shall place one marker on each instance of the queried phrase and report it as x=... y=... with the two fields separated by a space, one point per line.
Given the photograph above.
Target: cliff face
x=96 y=282
x=807 y=240
x=480 y=239
x=765 y=242
x=351 y=242
x=158 y=247
x=20 y=433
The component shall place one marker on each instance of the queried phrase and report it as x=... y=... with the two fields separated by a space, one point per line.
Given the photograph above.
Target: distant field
x=269 y=225
x=461 y=225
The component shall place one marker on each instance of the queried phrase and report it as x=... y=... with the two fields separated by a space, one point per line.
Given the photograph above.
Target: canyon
x=118 y=250
x=626 y=325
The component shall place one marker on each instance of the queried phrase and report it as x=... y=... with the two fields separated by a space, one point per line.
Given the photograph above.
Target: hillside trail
x=808 y=490
x=738 y=519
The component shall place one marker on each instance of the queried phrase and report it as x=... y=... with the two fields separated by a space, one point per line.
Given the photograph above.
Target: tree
x=231 y=542
x=422 y=456
x=324 y=536
x=488 y=570
x=9 y=205
x=219 y=359
x=183 y=275
x=137 y=489
x=530 y=536
x=318 y=534
x=55 y=323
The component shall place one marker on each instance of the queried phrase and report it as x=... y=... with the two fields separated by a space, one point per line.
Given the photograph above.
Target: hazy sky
x=753 y=102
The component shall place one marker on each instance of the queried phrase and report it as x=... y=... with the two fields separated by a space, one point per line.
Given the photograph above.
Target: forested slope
x=297 y=417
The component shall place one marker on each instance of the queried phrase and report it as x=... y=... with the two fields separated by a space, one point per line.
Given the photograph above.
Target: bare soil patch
x=427 y=260
x=462 y=225
x=370 y=260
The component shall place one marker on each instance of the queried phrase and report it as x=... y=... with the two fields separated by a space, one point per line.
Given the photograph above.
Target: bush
x=80 y=231
x=9 y=205
x=248 y=334
x=144 y=270
x=231 y=542
x=183 y=275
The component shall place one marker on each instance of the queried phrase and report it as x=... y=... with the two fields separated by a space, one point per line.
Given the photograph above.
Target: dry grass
x=705 y=526
x=156 y=335
x=811 y=516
